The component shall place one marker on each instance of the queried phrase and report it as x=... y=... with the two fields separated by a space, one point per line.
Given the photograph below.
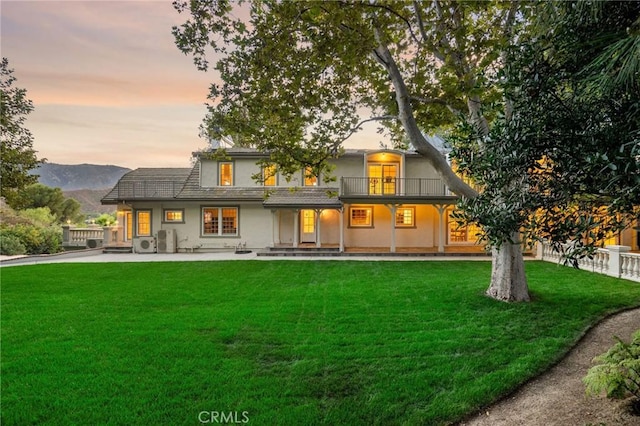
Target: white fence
x=615 y=261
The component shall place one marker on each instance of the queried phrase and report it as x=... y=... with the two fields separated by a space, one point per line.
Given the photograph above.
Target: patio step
x=275 y=252
x=117 y=249
x=330 y=252
x=306 y=250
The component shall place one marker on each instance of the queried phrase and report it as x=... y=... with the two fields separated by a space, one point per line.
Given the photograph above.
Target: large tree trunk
x=508 y=280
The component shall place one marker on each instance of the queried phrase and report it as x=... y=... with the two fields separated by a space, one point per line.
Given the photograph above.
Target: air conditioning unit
x=94 y=243
x=167 y=241
x=144 y=245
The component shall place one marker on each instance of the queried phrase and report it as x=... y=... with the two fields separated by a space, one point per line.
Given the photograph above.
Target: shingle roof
x=303 y=197
x=148 y=183
x=184 y=184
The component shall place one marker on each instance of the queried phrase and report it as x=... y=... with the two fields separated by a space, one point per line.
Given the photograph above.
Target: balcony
x=368 y=187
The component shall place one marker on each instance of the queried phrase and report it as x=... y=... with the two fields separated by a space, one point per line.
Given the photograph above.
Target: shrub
x=38 y=240
x=10 y=244
x=617 y=372
x=105 y=219
x=40 y=216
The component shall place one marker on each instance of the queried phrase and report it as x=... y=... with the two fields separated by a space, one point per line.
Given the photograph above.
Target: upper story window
x=269 y=175
x=309 y=178
x=226 y=174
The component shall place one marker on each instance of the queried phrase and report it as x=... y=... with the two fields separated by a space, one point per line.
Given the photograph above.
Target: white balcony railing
x=615 y=261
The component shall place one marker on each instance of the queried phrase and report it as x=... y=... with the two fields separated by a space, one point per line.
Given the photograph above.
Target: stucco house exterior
x=385 y=201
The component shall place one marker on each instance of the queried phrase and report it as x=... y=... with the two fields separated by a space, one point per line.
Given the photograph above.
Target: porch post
x=275 y=227
x=441 y=233
x=317 y=220
x=296 y=227
x=392 y=207
x=341 y=214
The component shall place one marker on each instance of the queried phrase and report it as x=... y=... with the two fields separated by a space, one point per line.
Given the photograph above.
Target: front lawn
x=280 y=342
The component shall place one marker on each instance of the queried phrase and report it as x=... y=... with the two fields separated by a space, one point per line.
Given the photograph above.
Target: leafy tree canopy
x=16 y=142
x=571 y=141
x=497 y=78
x=296 y=76
x=62 y=208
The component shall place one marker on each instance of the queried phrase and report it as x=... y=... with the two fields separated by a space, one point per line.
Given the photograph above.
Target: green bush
x=10 y=244
x=40 y=216
x=617 y=372
x=105 y=219
x=38 y=240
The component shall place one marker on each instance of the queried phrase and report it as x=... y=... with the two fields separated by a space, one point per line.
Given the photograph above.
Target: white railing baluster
x=612 y=260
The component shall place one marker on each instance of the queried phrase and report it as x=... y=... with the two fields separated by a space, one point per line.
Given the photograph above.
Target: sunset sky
x=108 y=84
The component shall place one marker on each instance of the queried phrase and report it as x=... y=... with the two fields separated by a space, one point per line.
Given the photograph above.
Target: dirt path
x=558 y=396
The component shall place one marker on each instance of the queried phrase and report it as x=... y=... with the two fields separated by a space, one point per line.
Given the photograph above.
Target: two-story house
x=383 y=201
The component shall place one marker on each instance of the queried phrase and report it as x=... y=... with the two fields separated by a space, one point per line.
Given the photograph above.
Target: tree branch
x=436 y=101
x=393 y=12
x=416 y=7
x=406 y=117
x=359 y=125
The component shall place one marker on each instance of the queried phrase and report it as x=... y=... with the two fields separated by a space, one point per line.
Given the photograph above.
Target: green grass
x=287 y=342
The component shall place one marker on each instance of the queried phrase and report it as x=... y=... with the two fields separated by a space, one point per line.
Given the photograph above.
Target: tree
x=16 y=142
x=38 y=195
x=573 y=140
x=417 y=66
x=296 y=76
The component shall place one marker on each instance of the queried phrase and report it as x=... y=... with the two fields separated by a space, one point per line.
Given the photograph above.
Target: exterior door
x=382 y=179
x=128 y=218
x=308 y=226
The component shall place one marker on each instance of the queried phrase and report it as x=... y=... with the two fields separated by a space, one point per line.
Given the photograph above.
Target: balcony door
x=382 y=178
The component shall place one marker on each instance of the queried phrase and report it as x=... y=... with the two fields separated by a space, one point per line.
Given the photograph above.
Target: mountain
x=89 y=199
x=70 y=177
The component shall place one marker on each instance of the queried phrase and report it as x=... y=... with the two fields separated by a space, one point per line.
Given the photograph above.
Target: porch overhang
x=400 y=199
x=302 y=198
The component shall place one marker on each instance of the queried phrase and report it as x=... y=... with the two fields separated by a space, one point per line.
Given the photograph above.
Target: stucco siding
x=208 y=173
x=418 y=167
x=380 y=235
x=349 y=167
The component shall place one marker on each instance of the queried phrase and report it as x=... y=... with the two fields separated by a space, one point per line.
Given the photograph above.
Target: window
x=269 y=175
x=462 y=234
x=143 y=223
x=405 y=217
x=361 y=217
x=226 y=174
x=220 y=221
x=309 y=178
x=382 y=179
x=174 y=215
